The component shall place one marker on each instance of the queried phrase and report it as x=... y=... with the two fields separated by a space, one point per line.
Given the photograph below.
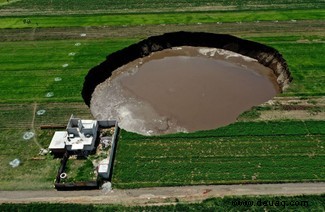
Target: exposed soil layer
x=183 y=89
x=267 y=56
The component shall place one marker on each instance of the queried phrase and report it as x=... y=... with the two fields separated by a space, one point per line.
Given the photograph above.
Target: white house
x=79 y=137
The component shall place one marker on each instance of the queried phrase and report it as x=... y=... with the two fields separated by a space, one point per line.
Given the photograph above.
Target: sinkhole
x=184 y=82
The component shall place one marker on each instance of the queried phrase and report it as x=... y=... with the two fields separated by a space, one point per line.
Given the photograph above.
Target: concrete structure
x=104 y=168
x=79 y=137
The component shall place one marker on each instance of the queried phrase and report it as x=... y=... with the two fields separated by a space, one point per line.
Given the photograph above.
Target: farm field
x=310 y=202
x=134 y=6
x=159 y=18
x=36 y=66
x=240 y=153
x=43 y=64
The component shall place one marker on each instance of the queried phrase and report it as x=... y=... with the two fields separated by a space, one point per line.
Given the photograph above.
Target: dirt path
x=33 y=126
x=160 y=195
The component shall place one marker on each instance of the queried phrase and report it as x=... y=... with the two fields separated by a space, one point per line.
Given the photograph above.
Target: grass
x=110 y=6
x=238 y=129
x=79 y=170
x=28 y=68
x=306 y=62
x=281 y=203
x=240 y=153
x=156 y=19
x=35 y=172
x=252 y=114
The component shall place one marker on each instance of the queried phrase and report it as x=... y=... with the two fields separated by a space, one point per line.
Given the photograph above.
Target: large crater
x=183 y=82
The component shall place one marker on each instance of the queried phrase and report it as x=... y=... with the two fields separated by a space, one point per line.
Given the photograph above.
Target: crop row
x=215 y=160
x=29 y=70
x=155 y=19
x=158 y=5
x=271 y=128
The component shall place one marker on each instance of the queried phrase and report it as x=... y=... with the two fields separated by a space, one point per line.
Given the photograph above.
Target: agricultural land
x=46 y=50
x=316 y=203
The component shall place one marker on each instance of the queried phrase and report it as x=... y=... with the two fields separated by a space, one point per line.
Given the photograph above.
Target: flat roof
x=81 y=139
x=103 y=168
x=58 y=139
x=77 y=146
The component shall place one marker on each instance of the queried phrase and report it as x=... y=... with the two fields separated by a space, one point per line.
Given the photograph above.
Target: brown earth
x=294 y=108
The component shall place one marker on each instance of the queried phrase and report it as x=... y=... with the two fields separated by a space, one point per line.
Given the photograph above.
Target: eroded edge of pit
x=265 y=55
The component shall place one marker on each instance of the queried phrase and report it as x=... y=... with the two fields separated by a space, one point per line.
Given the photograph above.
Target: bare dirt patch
x=294 y=108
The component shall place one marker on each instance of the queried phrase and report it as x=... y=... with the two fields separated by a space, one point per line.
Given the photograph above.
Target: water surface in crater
x=183 y=89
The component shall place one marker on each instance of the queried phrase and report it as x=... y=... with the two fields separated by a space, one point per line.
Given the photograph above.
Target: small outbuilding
x=104 y=168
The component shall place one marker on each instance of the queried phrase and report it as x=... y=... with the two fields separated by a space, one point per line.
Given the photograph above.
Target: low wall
x=113 y=151
x=265 y=55
x=88 y=185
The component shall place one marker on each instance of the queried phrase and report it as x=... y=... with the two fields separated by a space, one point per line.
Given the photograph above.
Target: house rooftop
x=58 y=140
x=79 y=135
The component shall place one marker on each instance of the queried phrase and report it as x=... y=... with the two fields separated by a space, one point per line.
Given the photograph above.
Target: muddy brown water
x=183 y=89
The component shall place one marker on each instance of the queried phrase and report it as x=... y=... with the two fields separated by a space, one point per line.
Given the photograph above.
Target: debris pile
x=107 y=187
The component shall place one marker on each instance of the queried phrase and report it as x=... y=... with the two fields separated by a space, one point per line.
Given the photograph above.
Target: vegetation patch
x=111 y=6
x=245 y=152
x=265 y=203
x=79 y=170
x=128 y=20
x=35 y=171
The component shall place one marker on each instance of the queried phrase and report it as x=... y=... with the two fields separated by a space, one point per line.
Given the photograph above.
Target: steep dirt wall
x=265 y=55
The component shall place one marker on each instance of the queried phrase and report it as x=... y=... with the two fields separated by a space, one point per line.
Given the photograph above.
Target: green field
x=28 y=68
x=35 y=171
x=303 y=203
x=248 y=152
x=164 y=18
x=83 y=6
x=37 y=39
